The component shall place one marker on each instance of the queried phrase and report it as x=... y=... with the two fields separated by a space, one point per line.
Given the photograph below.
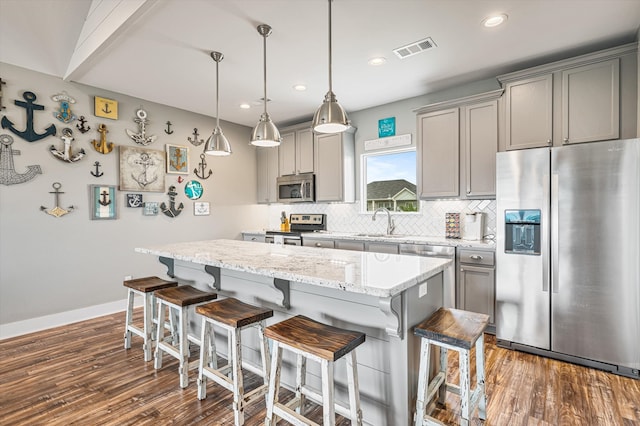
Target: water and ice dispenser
x=522 y=231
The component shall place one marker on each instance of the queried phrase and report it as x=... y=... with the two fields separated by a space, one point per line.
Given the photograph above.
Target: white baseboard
x=31 y=325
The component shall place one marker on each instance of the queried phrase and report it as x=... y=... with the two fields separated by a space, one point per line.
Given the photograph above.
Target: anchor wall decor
x=103 y=147
x=203 y=167
x=81 y=126
x=195 y=141
x=142 y=169
x=97 y=173
x=168 y=129
x=8 y=175
x=177 y=159
x=141 y=138
x=57 y=211
x=28 y=134
x=66 y=154
x=64 y=113
x=172 y=210
x=102 y=201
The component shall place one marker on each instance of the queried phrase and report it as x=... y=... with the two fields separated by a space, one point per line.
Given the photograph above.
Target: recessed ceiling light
x=377 y=61
x=494 y=20
x=300 y=87
x=245 y=106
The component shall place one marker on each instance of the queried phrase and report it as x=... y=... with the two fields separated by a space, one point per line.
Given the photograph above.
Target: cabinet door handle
x=566 y=140
x=548 y=141
x=476 y=257
x=318 y=244
x=461 y=269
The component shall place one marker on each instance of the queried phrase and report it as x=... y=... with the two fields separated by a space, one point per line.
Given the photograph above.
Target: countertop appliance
x=298 y=188
x=298 y=223
x=568 y=250
x=473 y=226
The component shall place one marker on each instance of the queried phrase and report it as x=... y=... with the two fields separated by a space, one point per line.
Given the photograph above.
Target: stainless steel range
x=299 y=223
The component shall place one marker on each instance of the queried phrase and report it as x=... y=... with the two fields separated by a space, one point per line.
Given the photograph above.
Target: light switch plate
x=422 y=290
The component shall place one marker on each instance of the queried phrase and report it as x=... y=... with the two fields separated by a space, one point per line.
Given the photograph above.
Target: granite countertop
x=375 y=274
x=398 y=239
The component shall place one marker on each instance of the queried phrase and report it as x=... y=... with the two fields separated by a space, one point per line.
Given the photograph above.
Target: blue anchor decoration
x=66 y=154
x=64 y=113
x=81 y=126
x=172 y=211
x=195 y=141
x=104 y=199
x=8 y=175
x=97 y=173
x=168 y=129
x=203 y=166
x=57 y=211
x=28 y=133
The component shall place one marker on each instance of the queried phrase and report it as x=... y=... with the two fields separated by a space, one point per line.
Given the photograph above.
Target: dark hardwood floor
x=80 y=375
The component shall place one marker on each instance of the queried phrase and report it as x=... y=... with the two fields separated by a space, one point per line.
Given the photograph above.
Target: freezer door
x=522 y=280
x=595 y=267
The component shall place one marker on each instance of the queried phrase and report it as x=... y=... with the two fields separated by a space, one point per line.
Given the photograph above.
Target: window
x=389 y=180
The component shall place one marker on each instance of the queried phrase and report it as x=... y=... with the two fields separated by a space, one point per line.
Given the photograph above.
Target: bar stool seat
x=178 y=300
x=233 y=316
x=144 y=287
x=460 y=331
x=325 y=344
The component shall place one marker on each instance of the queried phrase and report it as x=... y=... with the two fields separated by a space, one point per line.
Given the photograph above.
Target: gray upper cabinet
x=267 y=159
x=335 y=166
x=481 y=146
x=591 y=102
x=296 y=151
x=529 y=112
x=438 y=153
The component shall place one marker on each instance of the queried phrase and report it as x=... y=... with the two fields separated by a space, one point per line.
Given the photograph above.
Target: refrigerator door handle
x=545 y=242
x=555 y=217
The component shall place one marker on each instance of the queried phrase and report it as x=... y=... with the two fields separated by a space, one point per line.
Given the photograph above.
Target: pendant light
x=217 y=144
x=265 y=133
x=330 y=116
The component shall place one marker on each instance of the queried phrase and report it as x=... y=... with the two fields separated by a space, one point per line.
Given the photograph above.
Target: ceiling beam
x=105 y=22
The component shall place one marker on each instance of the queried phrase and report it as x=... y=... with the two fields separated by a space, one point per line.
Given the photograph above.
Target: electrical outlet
x=422 y=290
x=127 y=277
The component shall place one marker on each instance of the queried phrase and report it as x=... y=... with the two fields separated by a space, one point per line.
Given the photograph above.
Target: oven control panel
x=307 y=218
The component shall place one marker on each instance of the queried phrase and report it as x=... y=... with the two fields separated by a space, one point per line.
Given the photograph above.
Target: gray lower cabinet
x=377 y=247
x=259 y=238
x=349 y=245
x=318 y=242
x=476 y=283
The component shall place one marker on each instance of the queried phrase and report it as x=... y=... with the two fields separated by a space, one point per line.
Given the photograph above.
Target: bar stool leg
x=264 y=353
x=442 y=391
x=301 y=380
x=205 y=336
x=423 y=381
x=128 y=319
x=184 y=349
x=238 y=385
x=354 y=392
x=157 y=363
x=274 y=383
x=148 y=328
x=464 y=387
x=482 y=403
x=328 y=407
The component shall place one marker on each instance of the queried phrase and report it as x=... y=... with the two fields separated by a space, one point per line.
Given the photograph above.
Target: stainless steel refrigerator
x=568 y=253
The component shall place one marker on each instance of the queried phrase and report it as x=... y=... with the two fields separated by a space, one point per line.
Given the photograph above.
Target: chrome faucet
x=390 y=225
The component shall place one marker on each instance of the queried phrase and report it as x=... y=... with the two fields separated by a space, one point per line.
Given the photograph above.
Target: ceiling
x=159 y=50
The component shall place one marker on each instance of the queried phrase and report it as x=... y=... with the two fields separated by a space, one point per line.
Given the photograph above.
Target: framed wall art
x=151 y=208
x=103 y=201
x=177 y=159
x=201 y=208
x=134 y=200
x=106 y=108
x=141 y=169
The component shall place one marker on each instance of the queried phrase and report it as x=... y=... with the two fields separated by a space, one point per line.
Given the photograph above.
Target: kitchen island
x=382 y=295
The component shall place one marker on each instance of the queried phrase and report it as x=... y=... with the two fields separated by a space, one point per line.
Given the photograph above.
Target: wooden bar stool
x=233 y=316
x=460 y=331
x=178 y=300
x=144 y=287
x=323 y=343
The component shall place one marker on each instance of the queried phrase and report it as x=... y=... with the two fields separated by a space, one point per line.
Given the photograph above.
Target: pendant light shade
x=265 y=133
x=217 y=144
x=330 y=116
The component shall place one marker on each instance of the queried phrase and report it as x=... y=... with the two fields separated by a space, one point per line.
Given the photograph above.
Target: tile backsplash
x=429 y=221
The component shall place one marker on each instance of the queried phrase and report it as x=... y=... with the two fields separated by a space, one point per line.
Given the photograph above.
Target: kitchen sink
x=378 y=235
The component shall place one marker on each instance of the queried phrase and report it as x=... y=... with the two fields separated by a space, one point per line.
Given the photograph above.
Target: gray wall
x=50 y=265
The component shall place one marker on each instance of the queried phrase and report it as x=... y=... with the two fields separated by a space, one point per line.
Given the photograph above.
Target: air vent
x=414 y=48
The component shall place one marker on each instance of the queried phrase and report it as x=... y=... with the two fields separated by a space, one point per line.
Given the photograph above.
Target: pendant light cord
x=330 y=78
x=264 y=45
x=217 y=98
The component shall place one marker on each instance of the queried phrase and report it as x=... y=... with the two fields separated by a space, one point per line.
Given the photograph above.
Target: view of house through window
x=390 y=181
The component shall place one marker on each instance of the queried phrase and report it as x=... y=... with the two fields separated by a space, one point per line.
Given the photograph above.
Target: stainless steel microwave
x=296 y=188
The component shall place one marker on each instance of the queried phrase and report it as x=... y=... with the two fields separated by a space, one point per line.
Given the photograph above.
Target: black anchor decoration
x=103 y=147
x=97 y=173
x=66 y=154
x=8 y=175
x=104 y=198
x=1 y=83
x=57 y=211
x=172 y=211
x=81 y=126
x=203 y=166
x=168 y=129
x=28 y=134
x=195 y=141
